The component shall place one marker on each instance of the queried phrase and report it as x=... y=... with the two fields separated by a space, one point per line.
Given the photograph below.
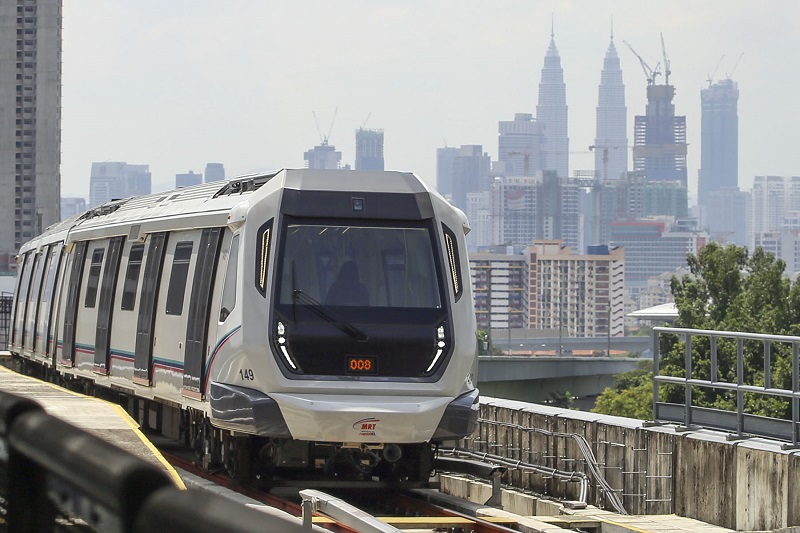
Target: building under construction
x=659 y=137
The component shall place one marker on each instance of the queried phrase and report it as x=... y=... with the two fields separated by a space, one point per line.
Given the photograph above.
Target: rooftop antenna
x=710 y=79
x=728 y=76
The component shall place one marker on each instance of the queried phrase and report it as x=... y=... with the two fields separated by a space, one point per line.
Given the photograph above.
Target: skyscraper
x=112 y=180
x=460 y=171
x=719 y=148
x=520 y=145
x=30 y=122
x=552 y=111
x=369 y=149
x=187 y=179
x=323 y=156
x=214 y=172
x=659 y=137
x=611 y=140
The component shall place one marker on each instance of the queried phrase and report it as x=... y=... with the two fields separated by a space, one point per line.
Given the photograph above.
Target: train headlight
x=281 y=336
x=441 y=344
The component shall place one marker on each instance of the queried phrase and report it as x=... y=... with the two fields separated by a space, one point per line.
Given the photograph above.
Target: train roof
x=209 y=204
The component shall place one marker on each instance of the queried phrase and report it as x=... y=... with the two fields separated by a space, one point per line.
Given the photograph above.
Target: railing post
x=687 y=414
x=795 y=390
x=714 y=362
x=767 y=364
x=739 y=384
x=656 y=357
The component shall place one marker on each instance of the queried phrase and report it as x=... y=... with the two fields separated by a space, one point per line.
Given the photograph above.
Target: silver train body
x=310 y=318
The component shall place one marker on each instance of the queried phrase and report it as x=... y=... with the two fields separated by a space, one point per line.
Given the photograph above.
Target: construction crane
x=711 y=76
x=667 y=71
x=649 y=73
x=728 y=76
x=366 y=120
x=324 y=140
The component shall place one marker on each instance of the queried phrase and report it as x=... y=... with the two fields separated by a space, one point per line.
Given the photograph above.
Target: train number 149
x=246 y=374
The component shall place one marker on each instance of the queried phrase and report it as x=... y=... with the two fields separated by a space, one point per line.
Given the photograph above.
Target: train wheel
x=236 y=456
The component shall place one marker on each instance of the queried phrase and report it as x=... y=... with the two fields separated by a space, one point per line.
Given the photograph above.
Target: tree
x=632 y=395
x=729 y=290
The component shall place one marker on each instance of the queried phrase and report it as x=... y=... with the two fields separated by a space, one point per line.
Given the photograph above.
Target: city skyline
x=137 y=94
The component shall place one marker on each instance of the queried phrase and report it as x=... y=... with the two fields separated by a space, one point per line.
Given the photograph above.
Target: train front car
x=358 y=350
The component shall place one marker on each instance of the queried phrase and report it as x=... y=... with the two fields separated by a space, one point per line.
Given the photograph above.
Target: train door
x=172 y=311
x=108 y=285
x=145 y=324
x=123 y=328
x=196 y=350
x=86 y=323
x=21 y=301
x=48 y=307
x=78 y=258
x=31 y=311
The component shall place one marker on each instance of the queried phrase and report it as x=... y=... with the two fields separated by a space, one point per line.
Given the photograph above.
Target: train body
x=301 y=322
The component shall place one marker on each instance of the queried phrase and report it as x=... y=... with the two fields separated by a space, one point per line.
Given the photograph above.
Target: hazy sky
x=181 y=83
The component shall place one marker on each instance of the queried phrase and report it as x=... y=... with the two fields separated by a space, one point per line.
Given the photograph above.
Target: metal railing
x=740 y=421
x=56 y=477
x=6 y=300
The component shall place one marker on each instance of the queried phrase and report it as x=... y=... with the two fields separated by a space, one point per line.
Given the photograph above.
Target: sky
x=182 y=83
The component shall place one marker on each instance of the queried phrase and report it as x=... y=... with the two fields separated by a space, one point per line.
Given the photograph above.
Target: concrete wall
x=749 y=484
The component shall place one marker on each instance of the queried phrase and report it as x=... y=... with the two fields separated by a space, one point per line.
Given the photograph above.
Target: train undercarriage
x=264 y=461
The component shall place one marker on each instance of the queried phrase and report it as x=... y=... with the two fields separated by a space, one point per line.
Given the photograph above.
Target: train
x=291 y=325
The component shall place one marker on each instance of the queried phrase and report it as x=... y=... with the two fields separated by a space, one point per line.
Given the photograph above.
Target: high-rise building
x=552 y=112
x=775 y=201
x=580 y=295
x=188 y=179
x=369 y=149
x=30 y=122
x=659 y=137
x=323 y=156
x=460 y=171
x=111 y=180
x=72 y=206
x=611 y=140
x=729 y=212
x=654 y=246
x=542 y=207
x=520 y=146
x=214 y=172
x=498 y=285
x=444 y=170
x=719 y=148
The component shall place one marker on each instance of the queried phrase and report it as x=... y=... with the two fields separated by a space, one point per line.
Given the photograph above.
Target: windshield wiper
x=325 y=313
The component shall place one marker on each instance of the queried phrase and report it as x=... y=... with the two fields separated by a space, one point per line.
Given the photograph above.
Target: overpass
x=532 y=378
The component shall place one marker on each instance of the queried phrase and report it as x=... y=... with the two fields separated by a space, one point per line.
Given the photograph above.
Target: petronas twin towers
x=611 y=141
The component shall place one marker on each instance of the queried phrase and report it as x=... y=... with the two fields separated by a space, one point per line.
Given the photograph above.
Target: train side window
x=94 y=277
x=229 y=290
x=132 y=277
x=178 y=276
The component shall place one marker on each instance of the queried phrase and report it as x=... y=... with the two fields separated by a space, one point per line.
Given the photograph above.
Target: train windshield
x=363 y=266
x=356 y=300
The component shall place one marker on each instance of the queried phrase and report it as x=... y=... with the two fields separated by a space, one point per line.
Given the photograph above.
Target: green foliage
x=730 y=290
x=632 y=395
x=485 y=345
